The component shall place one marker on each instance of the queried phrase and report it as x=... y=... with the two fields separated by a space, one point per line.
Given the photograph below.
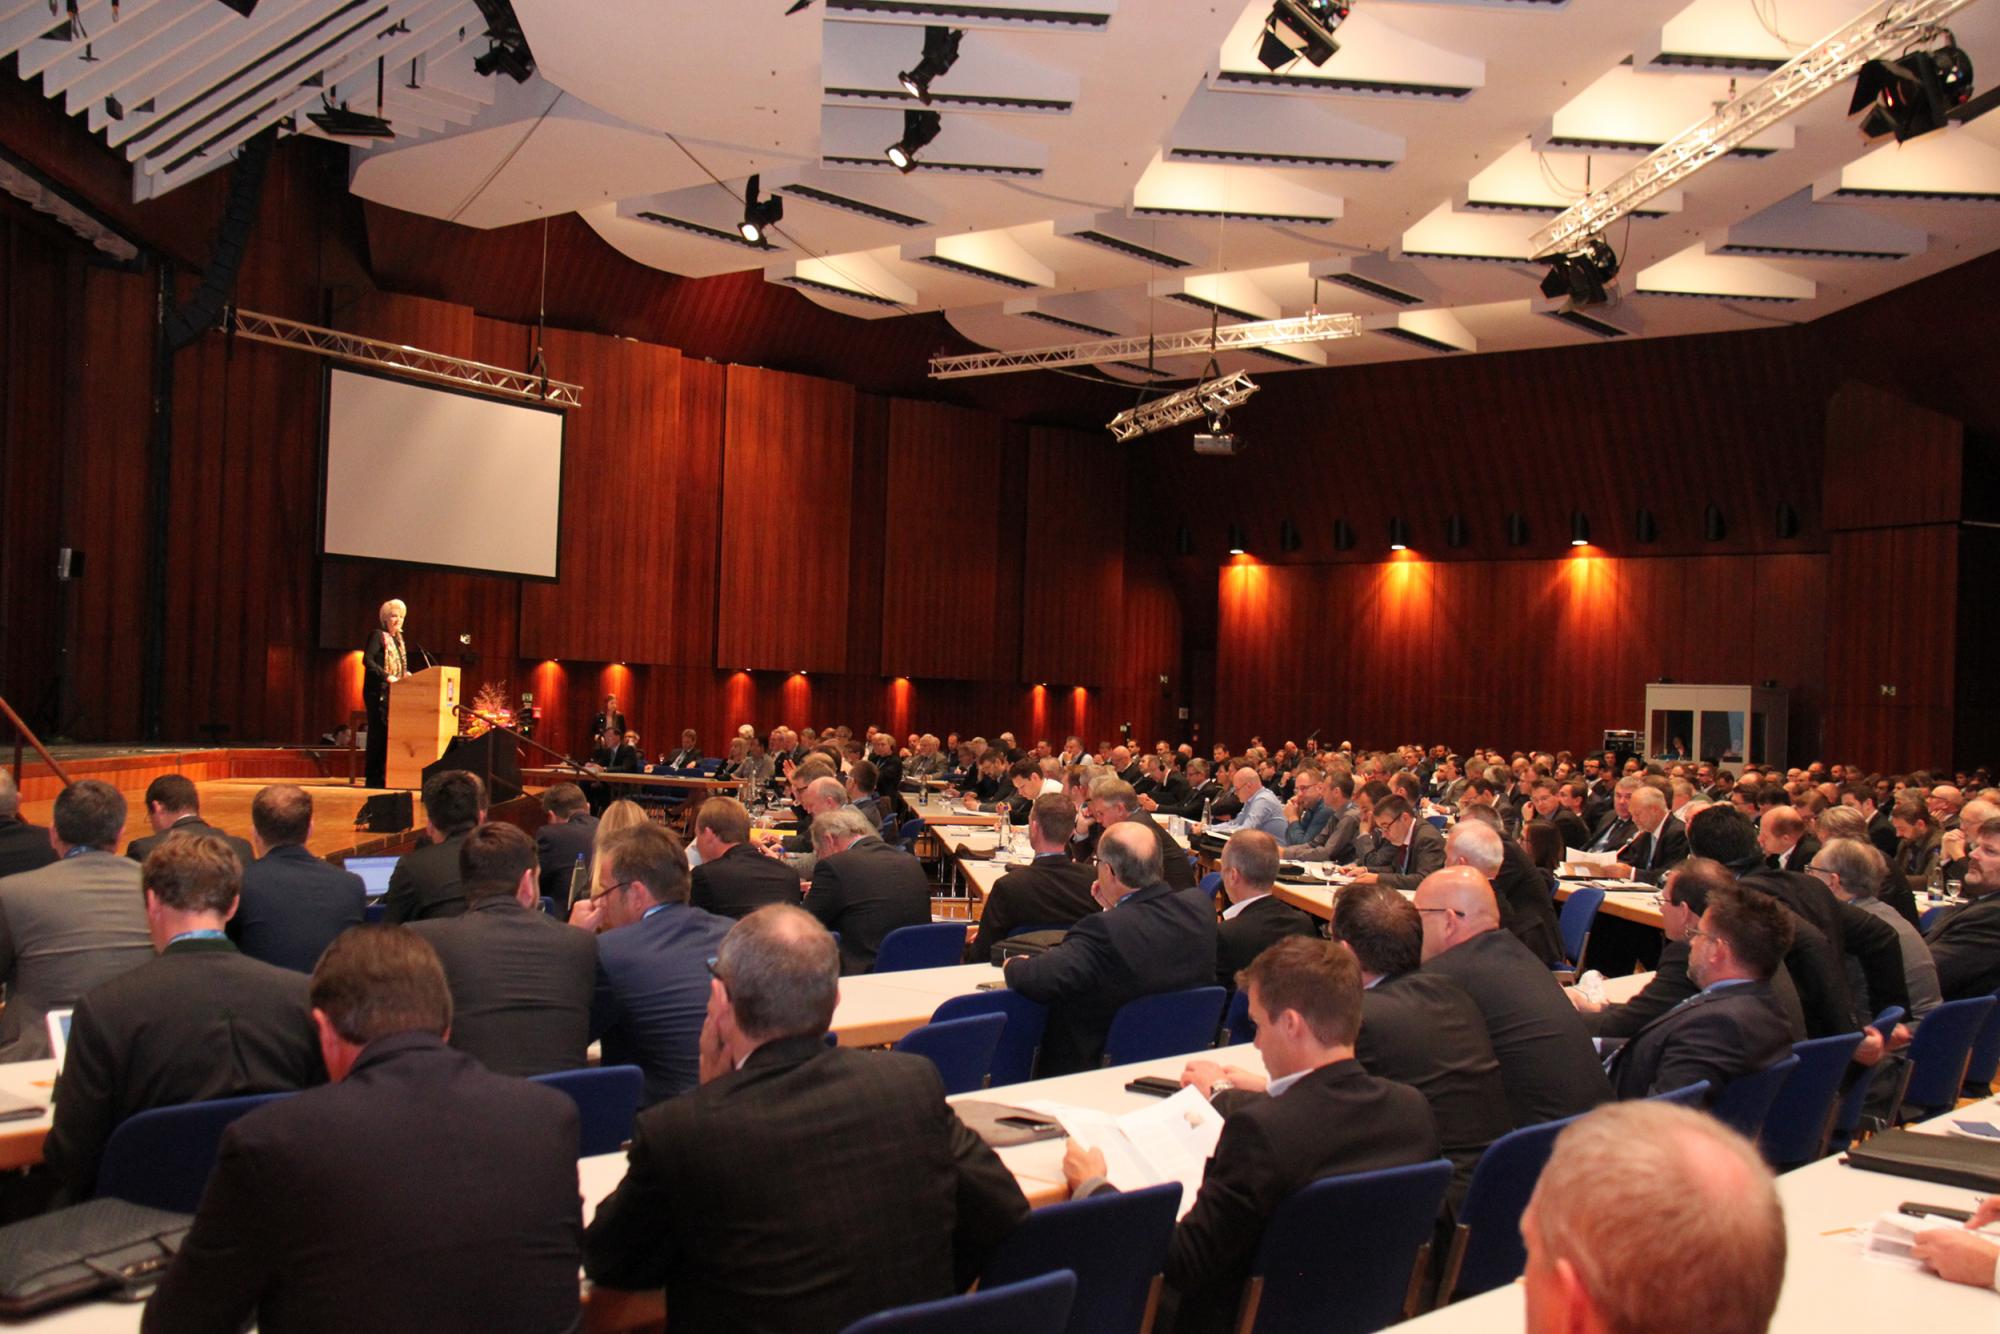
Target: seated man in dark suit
x=1782 y=837
x=1150 y=938
x=521 y=982
x=1526 y=907
x=652 y=958
x=862 y=887
x=1346 y=833
x=1159 y=780
x=1546 y=1058
x=1614 y=828
x=173 y=807
x=1052 y=890
x=1421 y=1029
x=686 y=756
x=1320 y=1114
x=23 y=846
x=1407 y=847
x=199 y=1022
x=734 y=879
x=1660 y=843
x=293 y=904
x=861 y=780
x=425 y=882
x=1024 y=784
x=1113 y=802
x=732 y=1200
x=1256 y=918
x=1965 y=939
x=564 y=842
x=1733 y=1026
x=329 y=1211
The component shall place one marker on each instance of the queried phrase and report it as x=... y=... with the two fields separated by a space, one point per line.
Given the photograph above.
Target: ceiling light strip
x=524 y=385
x=1229 y=337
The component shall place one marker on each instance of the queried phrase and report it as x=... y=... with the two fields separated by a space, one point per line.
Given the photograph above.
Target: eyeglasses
x=609 y=890
x=1814 y=868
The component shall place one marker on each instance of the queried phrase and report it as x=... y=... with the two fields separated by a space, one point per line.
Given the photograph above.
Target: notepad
x=1168 y=1141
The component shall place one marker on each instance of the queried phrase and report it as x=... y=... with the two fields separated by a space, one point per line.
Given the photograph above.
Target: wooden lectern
x=421 y=723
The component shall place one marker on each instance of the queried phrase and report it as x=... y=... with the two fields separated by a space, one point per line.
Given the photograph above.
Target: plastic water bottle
x=579 y=881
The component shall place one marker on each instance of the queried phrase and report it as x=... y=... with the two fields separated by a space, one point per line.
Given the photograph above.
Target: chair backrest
x=1115 y=1243
x=1939 y=1054
x=1338 y=1254
x=607 y=1101
x=931 y=945
x=1014 y=1058
x=1036 y=1306
x=1848 y=1108
x=961 y=1049
x=1927 y=916
x=374 y=912
x=1745 y=1101
x=1211 y=884
x=1796 y=1127
x=911 y=827
x=1579 y=914
x=1486 y=1250
x=1984 y=1063
x=1692 y=1095
x=162 y=1157
x=1236 y=1026
x=1169 y=1023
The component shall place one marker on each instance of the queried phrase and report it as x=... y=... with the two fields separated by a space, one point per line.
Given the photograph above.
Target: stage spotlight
x=919 y=128
x=1645 y=527
x=1579 y=529
x=1343 y=535
x=342 y=123
x=509 y=58
x=1712 y=526
x=759 y=216
x=940 y=54
x=1581 y=274
x=1454 y=531
x=1183 y=541
x=1288 y=536
x=1300 y=28
x=1237 y=544
x=1399 y=535
x=1517 y=531
x=1912 y=95
x=1788 y=523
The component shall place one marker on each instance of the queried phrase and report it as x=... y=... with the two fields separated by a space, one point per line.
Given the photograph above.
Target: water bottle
x=1936 y=883
x=579 y=881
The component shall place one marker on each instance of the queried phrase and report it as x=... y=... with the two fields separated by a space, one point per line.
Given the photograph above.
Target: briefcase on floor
x=1026 y=944
x=90 y=1248
x=1945 y=1159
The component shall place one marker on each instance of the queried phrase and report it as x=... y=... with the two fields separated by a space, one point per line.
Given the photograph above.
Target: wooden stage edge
x=227 y=780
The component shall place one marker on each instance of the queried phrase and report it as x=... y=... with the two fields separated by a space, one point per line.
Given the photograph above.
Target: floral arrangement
x=491 y=701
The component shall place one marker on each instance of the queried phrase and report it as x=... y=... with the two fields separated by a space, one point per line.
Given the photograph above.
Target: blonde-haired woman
x=384 y=662
x=620 y=814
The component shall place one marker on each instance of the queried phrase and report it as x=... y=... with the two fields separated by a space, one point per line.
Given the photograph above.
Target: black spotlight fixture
x=1912 y=94
x=919 y=128
x=1183 y=541
x=1712 y=526
x=1517 y=530
x=1645 y=527
x=1288 y=536
x=342 y=123
x=940 y=54
x=1579 y=529
x=507 y=50
x=1788 y=523
x=1582 y=273
x=1454 y=531
x=1237 y=544
x=243 y=7
x=1298 y=28
x=1399 y=535
x=759 y=216
x=1343 y=535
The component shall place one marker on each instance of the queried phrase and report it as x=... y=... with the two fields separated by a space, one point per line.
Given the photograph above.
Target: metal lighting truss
x=1204 y=342
x=1207 y=399
x=524 y=385
x=1884 y=31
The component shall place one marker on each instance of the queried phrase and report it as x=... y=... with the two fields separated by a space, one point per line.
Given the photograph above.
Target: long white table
x=880 y=1007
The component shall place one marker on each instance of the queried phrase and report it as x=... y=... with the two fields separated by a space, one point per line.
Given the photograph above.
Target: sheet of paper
x=1579 y=857
x=1170 y=1140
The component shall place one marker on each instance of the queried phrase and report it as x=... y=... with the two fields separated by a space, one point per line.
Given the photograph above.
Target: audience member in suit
x=1024 y=784
x=1782 y=838
x=71 y=925
x=385 y=660
x=1052 y=890
x=1421 y=1029
x=861 y=780
x=613 y=755
x=293 y=904
x=1965 y=938
x=425 y=882
x=1112 y=802
x=1952 y=846
x=1614 y=828
x=331 y=1210
x=1262 y=808
x=23 y=846
x=830 y=1183
x=734 y=879
x=199 y=1022
x=1406 y=847
x=1733 y=1026
x=1660 y=843
x=1202 y=789
x=1637 y=1192
x=863 y=888
x=1150 y=938
x=568 y=833
x=1162 y=782
x=1560 y=806
x=1526 y=908
x=1255 y=919
x=1919 y=842
x=521 y=982
x=1346 y=834
x=1308 y=814
x=1546 y=1058
x=1320 y=1114
x=686 y=756
x=174 y=807
x=1853 y=870
x=652 y=958
x=888 y=769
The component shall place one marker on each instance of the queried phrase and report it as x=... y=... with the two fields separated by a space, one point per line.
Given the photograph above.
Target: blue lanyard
x=205 y=933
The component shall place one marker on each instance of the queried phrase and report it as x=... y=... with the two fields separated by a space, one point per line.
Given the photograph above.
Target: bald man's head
x=1456 y=904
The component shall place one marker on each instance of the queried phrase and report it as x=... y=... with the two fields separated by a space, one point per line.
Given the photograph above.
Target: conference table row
x=1622 y=899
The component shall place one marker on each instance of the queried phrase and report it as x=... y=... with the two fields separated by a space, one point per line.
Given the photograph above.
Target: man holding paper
x=1319 y=1115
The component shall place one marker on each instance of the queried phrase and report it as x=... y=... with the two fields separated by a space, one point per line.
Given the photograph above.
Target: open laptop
x=58 y=1021
x=374 y=873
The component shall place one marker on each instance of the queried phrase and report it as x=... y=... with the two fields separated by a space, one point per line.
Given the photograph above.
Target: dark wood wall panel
x=1074 y=576
x=938 y=591
x=1890 y=462
x=1915 y=571
x=787 y=455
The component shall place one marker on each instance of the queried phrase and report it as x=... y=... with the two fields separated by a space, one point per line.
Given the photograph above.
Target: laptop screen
x=59 y=1035
x=374 y=872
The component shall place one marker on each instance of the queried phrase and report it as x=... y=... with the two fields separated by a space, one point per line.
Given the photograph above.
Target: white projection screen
x=428 y=476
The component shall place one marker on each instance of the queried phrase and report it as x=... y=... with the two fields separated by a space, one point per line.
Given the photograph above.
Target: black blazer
x=741 y=881
x=1965 y=942
x=521 y=985
x=1173 y=858
x=1156 y=939
x=1610 y=833
x=198 y=1022
x=1526 y=906
x=23 y=847
x=1717 y=1035
x=375 y=669
x=1873 y=946
x=425 y=884
x=1575 y=834
x=1546 y=1058
x=618 y=760
x=1405 y=867
x=188 y=824
x=1051 y=890
x=1798 y=858
x=1262 y=923
x=1422 y=1030
x=1649 y=865
x=331 y=1211
x=832 y=1183
x=865 y=893
x=1191 y=801
x=557 y=846
x=293 y=905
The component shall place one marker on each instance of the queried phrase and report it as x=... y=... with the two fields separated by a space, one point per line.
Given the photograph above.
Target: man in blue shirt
x=1307 y=814
x=1261 y=808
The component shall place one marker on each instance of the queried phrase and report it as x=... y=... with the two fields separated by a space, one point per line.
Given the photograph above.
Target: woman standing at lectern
x=386 y=662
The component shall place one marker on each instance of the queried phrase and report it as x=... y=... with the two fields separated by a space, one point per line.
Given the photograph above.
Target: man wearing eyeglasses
x=1407 y=848
x=1965 y=940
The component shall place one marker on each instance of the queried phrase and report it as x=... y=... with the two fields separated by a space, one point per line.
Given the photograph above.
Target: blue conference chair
x=1847 y=1110
x=961 y=1049
x=1115 y=1243
x=1938 y=1057
x=1014 y=1058
x=161 y=1158
x=1745 y=1101
x=1171 y=1023
x=1342 y=1254
x=1693 y=1095
x=1486 y=1251
x=932 y=945
x=1579 y=915
x=1236 y=1027
x=607 y=1101
x=1211 y=884
x=1796 y=1127
x=1984 y=1063
x=1929 y=915
x=1037 y=1306
x=373 y=913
